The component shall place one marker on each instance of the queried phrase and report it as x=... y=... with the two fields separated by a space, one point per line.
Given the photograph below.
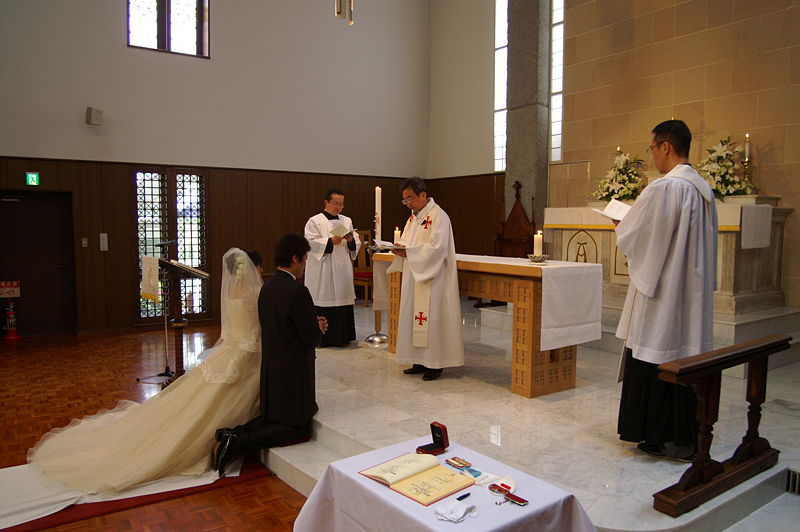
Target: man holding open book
x=329 y=275
x=669 y=237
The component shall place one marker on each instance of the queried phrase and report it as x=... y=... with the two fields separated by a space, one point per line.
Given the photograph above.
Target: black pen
x=462 y=497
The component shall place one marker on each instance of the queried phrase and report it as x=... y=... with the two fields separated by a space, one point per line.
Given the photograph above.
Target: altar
x=749 y=300
x=557 y=304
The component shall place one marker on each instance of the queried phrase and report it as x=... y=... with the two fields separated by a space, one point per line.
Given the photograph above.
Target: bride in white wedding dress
x=172 y=433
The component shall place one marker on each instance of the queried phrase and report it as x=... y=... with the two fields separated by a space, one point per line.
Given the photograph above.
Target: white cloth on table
x=572 y=297
x=572 y=300
x=756 y=226
x=344 y=500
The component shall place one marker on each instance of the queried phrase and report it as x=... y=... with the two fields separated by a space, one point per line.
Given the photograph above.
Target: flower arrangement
x=623 y=181
x=721 y=169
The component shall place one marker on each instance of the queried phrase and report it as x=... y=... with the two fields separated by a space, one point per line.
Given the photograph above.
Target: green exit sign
x=32 y=179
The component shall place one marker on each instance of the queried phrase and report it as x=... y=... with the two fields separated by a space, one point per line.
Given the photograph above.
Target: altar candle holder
x=746 y=161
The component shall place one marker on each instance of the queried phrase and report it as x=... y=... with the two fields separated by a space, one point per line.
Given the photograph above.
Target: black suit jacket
x=289 y=334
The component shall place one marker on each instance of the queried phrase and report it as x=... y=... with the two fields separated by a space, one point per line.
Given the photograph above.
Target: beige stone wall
x=725 y=67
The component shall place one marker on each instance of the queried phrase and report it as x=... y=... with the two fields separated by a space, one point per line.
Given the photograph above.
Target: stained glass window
x=179 y=26
x=172 y=209
x=500 y=82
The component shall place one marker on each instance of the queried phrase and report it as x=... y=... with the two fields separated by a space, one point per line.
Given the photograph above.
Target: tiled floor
x=568 y=438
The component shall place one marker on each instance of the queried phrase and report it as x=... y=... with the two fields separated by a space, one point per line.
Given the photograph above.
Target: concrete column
x=528 y=122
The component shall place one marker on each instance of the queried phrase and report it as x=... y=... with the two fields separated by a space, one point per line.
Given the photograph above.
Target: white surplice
x=670 y=240
x=329 y=276
x=429 y=299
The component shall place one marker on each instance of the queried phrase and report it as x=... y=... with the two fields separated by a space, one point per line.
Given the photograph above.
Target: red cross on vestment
x=411 y=218
x=427 y=223
x=421 y=318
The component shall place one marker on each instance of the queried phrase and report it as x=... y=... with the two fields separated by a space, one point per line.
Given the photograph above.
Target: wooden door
x=36 y=248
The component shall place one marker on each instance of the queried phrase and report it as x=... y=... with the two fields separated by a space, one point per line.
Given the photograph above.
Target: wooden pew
x=707 y=478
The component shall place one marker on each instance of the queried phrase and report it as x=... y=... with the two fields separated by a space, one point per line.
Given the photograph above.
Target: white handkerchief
x=455 y=511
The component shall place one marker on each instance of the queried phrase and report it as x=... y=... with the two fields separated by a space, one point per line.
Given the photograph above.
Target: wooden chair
x=362 y=270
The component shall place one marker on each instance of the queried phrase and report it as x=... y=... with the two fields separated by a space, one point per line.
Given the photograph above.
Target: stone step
x=302 y=465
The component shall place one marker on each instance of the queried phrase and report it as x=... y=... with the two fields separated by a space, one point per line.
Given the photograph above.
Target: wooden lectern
x=175 y=272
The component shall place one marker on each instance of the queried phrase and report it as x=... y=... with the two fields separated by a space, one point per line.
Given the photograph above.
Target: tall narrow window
x=500 y=82
x=179 y=26
x=557 y=80
x=172 y=209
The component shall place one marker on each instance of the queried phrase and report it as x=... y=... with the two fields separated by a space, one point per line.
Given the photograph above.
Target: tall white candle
x=537 y=244
x=377 y=213
x=396 y=235
x=747 y=145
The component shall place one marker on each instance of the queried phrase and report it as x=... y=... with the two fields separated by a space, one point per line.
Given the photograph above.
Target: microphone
x=164 y=243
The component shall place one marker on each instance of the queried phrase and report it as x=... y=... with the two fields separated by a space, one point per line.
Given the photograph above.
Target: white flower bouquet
x=623 y=181
x=721 y=170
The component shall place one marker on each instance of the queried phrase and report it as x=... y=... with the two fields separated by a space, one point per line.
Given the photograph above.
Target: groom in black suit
x=290 y=331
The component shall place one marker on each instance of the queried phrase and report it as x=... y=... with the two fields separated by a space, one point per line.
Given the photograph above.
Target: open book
x=383 y=244
x=615 y=210
x=419 y=477
x=340 y=230
x=194 y=272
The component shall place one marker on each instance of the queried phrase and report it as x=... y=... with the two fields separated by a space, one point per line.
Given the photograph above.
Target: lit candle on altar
x=747 y=145
x=377 y=213
x=537 y=244
x=396 y=235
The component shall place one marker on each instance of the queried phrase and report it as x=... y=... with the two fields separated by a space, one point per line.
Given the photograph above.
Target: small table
x=345 y=500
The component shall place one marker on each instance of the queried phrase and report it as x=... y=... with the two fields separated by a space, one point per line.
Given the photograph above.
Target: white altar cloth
x=343 y=500
x=572 y=297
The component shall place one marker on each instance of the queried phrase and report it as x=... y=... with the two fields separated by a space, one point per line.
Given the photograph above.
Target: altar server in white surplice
x=429 y=330
x=669 y=237
x=329 y=271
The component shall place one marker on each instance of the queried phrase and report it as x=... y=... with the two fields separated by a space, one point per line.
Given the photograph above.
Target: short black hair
x=677 y=133
x=331 y=192
x=290 y=245
x=417 y=184
x=255 y=256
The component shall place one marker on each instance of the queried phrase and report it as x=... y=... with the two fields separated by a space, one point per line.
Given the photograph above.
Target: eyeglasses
x=408 y=201
x=336 y=203
x=653 y=146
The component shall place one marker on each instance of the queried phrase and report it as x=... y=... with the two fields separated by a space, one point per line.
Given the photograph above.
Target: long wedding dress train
x=173 y=432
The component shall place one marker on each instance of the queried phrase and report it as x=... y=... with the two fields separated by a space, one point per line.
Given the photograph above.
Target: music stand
x=175 y=272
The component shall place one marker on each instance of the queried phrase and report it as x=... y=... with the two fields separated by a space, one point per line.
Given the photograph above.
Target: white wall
x=461 y=88
x=288 y=86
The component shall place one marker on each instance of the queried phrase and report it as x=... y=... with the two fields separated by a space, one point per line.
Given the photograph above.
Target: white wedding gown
x=172 y=433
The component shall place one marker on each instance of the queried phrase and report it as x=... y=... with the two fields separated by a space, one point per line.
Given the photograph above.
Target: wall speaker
x=94 y=116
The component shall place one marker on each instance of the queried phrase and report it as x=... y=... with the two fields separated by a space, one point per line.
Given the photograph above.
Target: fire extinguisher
x=11 y=322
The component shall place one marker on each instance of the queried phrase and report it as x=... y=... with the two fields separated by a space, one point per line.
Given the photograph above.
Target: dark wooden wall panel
x=84 y=181
x=226 y=222
x=245 y=208
x=473 y=204
x=119 y=221
x=48 y=174
x=265 y=213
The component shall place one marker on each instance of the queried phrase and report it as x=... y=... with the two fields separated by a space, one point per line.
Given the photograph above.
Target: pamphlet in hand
x=615 y=210
x=340 y=230
x=384 y=244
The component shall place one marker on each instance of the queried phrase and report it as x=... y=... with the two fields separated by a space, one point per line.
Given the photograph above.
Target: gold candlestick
x=746 y=161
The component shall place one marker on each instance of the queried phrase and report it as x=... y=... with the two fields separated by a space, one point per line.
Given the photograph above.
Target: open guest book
x=419 y=477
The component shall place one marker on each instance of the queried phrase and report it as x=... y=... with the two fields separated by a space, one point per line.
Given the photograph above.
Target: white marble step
x=302 y=465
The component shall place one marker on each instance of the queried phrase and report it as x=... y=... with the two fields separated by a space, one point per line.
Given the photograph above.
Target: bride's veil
x=241 y=283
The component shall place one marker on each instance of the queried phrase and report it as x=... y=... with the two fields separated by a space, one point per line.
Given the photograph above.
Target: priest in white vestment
x=429 y=332
x=669 y=237
x=329 y=272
